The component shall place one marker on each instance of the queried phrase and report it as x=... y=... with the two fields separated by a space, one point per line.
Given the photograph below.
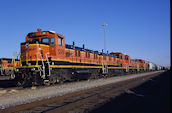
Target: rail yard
x=46 y=59
x=49 y=75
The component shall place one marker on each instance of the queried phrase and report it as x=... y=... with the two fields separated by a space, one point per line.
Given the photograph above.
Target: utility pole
x=105 y=68
x=104 y=25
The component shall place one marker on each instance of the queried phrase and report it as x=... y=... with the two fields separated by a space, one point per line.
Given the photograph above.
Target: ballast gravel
x=31 y=95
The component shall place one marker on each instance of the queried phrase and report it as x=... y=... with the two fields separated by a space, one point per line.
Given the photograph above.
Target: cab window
x=117 y=56
x=35 y=40
x=43 y=32
x=120 y=57
x=52 y=41
x=45 y=40
x=60 y=41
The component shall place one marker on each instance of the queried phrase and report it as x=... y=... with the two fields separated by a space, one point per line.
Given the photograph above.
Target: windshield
x=45 y=40
x=35 y=40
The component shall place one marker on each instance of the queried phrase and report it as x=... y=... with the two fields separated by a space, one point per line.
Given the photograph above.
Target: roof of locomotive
x=43 y=33
x=87 y=50
x=8 y=59
x=53 y=32
x=5 y=58
x=137 y=60
x=79 y=48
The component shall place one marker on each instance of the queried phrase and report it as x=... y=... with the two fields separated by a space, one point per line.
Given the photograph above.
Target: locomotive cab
x=42 y=45
x=37 y=52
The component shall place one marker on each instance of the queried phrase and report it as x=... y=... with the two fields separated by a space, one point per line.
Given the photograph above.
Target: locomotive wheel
x=36 y=79
x=24 y=80
x=47 y=83
x=53 y=80
x=62 y=76
x=94 y=74
x=20 y=80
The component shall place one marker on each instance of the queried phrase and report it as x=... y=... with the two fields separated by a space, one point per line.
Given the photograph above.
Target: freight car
x=45 y=58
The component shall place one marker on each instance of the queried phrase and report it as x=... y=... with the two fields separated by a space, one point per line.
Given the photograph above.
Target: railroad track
x=81 y=101
x=9 y=87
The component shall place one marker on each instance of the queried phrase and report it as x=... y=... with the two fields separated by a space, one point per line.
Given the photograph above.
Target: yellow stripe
x=116 y=68
x=132 y=68
x=32 y=66
x=71 y=66
x=34 y=60
x=70 y=49
x=5 y=61
x=7 y=68
x=38 y=45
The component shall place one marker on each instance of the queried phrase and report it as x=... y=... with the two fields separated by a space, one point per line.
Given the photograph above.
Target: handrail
x=2 y=70
x=43 y=66
x=48 y=64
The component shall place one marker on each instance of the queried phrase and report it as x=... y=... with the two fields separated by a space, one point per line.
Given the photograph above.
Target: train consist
x=45 y=58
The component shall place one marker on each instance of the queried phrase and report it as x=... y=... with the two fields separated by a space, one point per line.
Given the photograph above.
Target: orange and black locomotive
x=45 y=58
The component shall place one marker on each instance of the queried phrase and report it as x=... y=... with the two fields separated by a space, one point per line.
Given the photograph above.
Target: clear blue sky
x=139 y=28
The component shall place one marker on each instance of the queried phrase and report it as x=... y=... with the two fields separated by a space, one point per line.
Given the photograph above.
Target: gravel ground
x=15 y=98
x=153 y=96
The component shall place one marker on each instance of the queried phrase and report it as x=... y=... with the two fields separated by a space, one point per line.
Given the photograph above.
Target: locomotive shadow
x=7 y=83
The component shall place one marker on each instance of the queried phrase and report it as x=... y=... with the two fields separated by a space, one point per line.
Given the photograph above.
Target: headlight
x=33 y=69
